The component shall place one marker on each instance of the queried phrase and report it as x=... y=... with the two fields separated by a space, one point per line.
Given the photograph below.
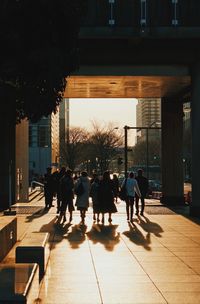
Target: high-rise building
x=148 y=114
x=43 y=145
x=64 y=128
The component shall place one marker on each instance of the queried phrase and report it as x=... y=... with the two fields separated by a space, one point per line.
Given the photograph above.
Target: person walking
x=82 y=190
x=106 y=197
x=59 y=176
x=66 y=195
x=116 y=186
x=95 y=201
x=144 y=187
x=49 y=188
x=131 y=187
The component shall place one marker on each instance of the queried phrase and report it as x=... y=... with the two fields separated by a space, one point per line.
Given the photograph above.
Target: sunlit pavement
x=155 y=259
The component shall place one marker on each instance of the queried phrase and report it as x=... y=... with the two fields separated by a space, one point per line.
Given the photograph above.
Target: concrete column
x=22 y=162
x=195 y=116
x=172 y=163
x=7 y=158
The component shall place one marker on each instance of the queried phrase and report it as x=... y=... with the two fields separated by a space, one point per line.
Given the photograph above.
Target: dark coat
x=106 y=197
x=143 y=185
x=66 y=188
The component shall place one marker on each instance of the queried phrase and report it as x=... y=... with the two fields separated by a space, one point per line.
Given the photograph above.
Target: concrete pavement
x=154 y=260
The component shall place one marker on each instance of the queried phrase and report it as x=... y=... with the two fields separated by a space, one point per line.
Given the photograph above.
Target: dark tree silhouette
x=103 y=144
x=38 y=51
x=73 y=152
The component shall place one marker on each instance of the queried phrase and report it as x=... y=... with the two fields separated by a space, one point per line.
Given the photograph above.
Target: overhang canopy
x=128 y=81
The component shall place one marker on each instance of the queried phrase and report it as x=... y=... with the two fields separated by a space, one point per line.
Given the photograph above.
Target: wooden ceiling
x=125 y=86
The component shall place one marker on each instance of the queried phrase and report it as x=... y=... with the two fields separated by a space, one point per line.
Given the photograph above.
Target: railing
x=143 y=13
x=35 y=184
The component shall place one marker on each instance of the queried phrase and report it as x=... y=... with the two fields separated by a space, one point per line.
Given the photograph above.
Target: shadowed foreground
x=155 y=259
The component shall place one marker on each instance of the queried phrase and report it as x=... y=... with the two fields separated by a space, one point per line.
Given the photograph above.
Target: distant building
x=43 y=145
x=64 y=128
x=148 y=114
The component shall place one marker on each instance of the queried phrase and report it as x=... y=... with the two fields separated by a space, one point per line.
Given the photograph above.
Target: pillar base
x=10 y=212
x=172 y=200
x=195 y=211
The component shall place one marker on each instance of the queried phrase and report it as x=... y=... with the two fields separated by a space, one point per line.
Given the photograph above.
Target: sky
x=120 y=112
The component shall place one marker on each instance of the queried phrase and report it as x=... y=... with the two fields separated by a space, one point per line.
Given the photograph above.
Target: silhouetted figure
x=95 y=201
x=48 y=188
x=115 y=186
x=94 y=176
x=144 y=187
x=82 y=200
x=58 y=178
x=131 y=188
x=106 y=196
x=67 y=195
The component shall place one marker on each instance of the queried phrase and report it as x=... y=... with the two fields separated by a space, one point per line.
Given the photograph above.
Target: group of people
x=103 y=191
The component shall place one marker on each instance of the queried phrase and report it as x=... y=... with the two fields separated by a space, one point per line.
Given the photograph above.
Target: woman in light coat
x=82 y=200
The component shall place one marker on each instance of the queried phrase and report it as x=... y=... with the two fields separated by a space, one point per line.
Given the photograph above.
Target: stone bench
x=19 y=283
x=8 y=234
x=34 y=248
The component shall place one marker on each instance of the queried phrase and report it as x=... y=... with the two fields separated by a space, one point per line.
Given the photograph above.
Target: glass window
x=43 y=136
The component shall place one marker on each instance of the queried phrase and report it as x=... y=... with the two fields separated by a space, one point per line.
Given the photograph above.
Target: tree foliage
x=96 y=146
x=38 y=51
x=73 y=151
x=140 y=152
x=103 y=143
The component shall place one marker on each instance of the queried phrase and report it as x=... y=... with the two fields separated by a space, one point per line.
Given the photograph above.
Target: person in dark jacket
x=106 y=196
x=143 y=186
x=67 y=195
x=116 y=186
x=48 y=188
x=58 y=177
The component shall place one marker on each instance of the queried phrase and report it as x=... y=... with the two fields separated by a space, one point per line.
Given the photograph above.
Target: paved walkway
x=155 y=260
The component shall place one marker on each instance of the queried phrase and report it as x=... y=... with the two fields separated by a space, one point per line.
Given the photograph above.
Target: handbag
x=122 y=192
x=79 y=189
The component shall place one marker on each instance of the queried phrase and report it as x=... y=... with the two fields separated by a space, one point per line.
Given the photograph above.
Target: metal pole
x=125 y=149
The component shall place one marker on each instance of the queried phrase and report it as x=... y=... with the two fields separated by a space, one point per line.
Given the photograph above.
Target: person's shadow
x=41 y=212
x=149 y=226
x=136 y=236
x=56 y=231
x=106 y=235
x=77 y=235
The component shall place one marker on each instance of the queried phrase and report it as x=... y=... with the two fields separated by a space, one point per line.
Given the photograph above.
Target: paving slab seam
x=178 y=257
x=144 y=270
x=95 y=271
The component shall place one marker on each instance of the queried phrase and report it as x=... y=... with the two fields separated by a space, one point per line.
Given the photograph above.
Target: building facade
x=148 y=114
x=64 y=129
x=43 y=145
